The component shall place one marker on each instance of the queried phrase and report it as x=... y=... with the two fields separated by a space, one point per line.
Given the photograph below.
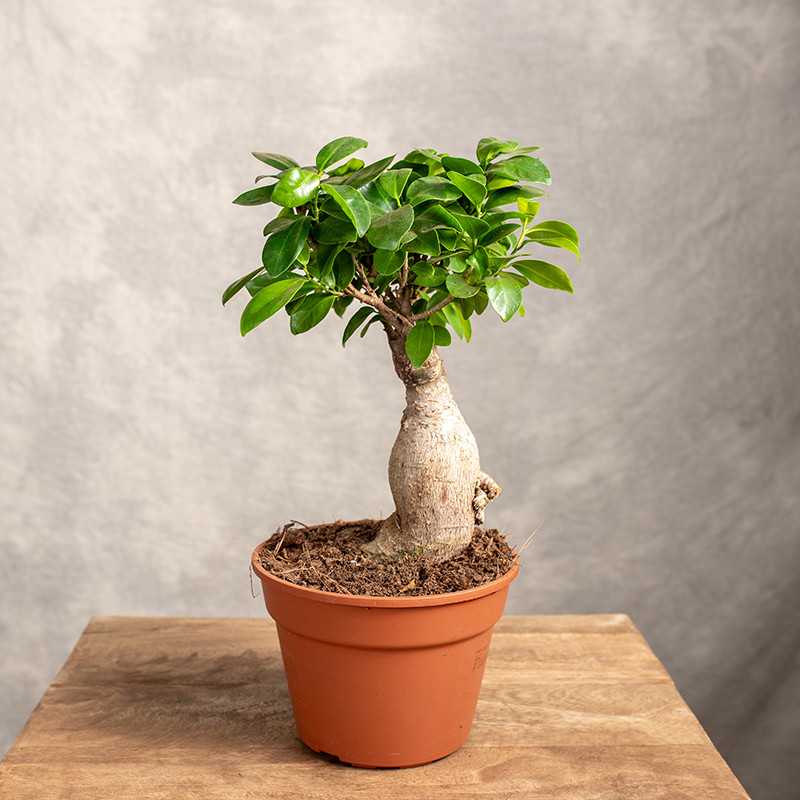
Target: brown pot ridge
x=384 y=681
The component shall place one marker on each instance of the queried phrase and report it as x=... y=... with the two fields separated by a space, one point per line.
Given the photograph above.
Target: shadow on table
x=228 y=702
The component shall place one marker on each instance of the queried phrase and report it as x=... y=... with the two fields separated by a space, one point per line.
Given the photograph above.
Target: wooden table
x=572 y=707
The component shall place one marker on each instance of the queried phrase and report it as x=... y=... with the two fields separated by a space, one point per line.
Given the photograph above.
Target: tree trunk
x=434 y=470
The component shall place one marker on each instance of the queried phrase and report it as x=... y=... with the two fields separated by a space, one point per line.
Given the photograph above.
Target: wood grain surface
x=571 y=707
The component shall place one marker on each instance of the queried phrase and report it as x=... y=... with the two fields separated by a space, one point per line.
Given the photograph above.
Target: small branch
x=363 y=275
x=320 y=285
x=388 y=292
x=403 y=276
x=369 y=299
x=397 y=321
x=406 y=300
x=431 y=311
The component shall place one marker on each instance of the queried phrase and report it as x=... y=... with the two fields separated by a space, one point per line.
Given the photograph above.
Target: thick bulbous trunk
x=435 y=477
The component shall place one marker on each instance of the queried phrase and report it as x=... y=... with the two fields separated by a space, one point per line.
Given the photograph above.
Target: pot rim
x=375 y=601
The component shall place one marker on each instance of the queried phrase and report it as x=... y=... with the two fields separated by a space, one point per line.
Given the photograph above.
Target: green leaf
x=352 y=203
x=334 y=231
x=473 y=190
x=479 y=261
x=338 y=149
x=426 y=244
x=505 y=295
x=388 y=262
x=341 y=303
x=379 y=201
x=518 y=151
x=367 y=174
x=304 y=256
x=268 y=301
x=386 y=231
x=279 y=224
x=238 y=285
x=544 y=274
x=307 y=288
x=495 y=183
x=456 y=264
x=490 y=147
x=356 y=321
x=448 y=239
x=457 y=322
x=263 y=280
x=417 y=170
x=329 y=207
x=296 y=188
x=481 y=302
x=528 y=208
x=310 y=311
x=553 y=239
x=562 y=229
x=472 y=225
x=467 y=306
x=495 y=218
x=394 y=181
x=464 y=306
x=435 y=218
x=344 y=270
x=373 y=320
x=351 y=166
x=426 y=159
x=419 y=343
x=498 y=233
x=277 y=160
x=496 y=263
x=521 y=168
x=441 y=336
x=435 y=188
x=511 y=194
x=458 y=287
x=256 y=197
x=282 y=249
x=427 y=300
x=463 y=166
x=425 y=275
x=326 y=256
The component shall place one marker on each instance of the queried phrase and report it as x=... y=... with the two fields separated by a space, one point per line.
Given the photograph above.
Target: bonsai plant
x=420 y=248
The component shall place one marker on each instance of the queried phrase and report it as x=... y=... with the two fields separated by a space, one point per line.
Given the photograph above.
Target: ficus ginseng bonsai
x=421 y=246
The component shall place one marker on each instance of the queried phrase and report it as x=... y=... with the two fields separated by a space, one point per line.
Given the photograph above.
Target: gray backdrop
x=651 y=422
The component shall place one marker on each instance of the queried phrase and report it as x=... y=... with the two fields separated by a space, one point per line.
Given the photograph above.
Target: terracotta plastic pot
x=384 y=681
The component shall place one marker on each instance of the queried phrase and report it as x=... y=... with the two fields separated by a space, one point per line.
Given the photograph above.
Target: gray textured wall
x=652 y=421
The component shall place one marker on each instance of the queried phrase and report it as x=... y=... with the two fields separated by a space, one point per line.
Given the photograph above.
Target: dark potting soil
x=329 y=557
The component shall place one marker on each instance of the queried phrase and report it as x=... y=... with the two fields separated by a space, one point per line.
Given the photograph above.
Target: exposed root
x=388 y=542
x=489 y=485
x=486 y=489
x=391 y=543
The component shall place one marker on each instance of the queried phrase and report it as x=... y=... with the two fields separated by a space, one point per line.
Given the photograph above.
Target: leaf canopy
x=426 y=243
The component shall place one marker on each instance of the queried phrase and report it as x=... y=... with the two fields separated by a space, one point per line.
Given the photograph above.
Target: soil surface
x=329 y=557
